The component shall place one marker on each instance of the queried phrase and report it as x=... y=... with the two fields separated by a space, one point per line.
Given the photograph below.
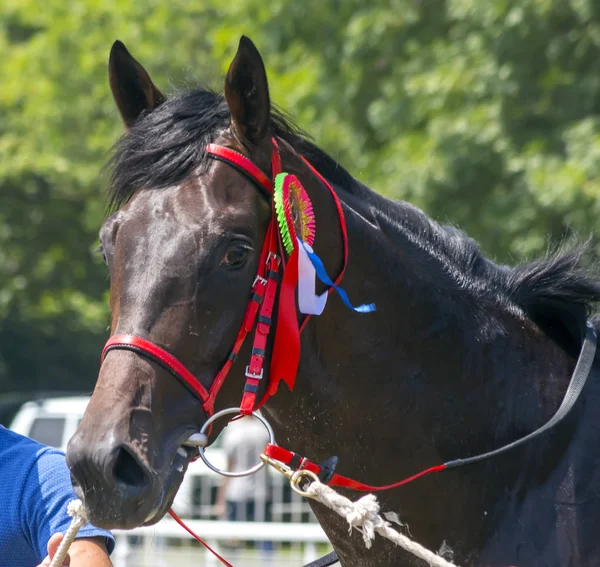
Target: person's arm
x=89 y=552
x=45 y=516
x=83 y=552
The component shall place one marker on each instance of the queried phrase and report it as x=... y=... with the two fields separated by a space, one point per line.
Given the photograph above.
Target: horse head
x=183 y=251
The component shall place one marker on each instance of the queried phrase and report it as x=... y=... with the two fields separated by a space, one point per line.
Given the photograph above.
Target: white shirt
x=243 y=442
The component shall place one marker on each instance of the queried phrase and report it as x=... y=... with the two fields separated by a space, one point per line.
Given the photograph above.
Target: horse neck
x=432 y=373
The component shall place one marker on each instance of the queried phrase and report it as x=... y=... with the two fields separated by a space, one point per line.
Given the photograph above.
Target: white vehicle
x=53 y=421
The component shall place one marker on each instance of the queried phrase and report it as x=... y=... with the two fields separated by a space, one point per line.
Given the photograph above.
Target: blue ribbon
x=322 y=275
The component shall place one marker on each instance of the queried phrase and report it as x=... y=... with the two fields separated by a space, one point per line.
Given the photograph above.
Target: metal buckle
x=252 y=375
x=278 y=466
x=275 y=257
x=295 y=477
x=259 y=279
x=298 y=477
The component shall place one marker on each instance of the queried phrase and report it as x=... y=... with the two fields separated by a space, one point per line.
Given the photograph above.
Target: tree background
x=485 y=114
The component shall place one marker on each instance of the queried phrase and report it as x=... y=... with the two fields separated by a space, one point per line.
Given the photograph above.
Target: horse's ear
x=247 y=93
x=132 y=88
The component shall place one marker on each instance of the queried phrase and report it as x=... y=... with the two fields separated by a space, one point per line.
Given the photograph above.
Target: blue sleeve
x=47 y=493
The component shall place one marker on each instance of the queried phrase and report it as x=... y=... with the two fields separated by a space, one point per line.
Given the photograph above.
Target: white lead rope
x=76 y=510
x=363 y=515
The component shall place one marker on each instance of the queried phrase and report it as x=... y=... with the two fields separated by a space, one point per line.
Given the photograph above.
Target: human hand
x=220 y=510
x=53 y=544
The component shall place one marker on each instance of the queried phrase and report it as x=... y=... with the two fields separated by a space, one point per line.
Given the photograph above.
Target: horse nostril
x=127 y=469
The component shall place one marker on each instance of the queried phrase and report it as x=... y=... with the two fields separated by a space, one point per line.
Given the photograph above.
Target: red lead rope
x=198 y=539
x=296 y=462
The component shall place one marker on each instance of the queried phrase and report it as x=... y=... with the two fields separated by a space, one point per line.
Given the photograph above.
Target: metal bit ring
x=235 y=411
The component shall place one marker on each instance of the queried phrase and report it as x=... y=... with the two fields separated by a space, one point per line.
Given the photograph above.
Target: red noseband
x=158 y=355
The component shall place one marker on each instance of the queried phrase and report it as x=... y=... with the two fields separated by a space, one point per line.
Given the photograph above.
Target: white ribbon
x=308 y=301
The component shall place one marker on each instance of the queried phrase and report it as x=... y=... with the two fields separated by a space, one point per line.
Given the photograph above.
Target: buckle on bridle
x=259 y=279
x=252 y=375
x=275 y=257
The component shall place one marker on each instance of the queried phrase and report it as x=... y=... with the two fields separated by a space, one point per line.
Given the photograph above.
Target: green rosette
x=283 y=213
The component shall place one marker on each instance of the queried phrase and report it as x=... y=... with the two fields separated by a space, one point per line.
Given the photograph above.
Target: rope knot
x=76 y=509
x=363 y=515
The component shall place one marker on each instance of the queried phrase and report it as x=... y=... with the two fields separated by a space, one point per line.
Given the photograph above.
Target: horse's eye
x=236 y=256
x=101 y=251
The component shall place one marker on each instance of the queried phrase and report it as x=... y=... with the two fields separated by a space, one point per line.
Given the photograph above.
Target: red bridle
x=273 y=273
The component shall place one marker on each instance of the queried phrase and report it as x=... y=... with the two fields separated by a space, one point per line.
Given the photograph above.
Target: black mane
x=558 y=292
x=166 y=145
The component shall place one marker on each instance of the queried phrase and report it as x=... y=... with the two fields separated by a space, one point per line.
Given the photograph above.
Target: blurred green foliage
x=483 y=113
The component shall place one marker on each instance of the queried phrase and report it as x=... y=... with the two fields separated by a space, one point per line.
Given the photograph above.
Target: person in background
x=35 y=490
x=246 y=498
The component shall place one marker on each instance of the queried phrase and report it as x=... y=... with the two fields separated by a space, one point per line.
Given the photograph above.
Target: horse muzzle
x=117 y=486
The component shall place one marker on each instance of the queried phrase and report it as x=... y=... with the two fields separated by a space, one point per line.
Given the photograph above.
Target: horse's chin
x=170 y=486
x=112 y=518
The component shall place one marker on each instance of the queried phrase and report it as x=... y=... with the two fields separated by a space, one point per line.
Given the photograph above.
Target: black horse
x=460 y=357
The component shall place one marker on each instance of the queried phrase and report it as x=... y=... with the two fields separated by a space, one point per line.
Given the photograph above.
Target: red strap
x=342 y=220
x=255 y=368
x=286 y=349
x=242 y=163
x=254 y=372
x=150 y=350
x=275 y=160
x=198 y=539
x=287 y=458
x=209 y=404
x=258 y=289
